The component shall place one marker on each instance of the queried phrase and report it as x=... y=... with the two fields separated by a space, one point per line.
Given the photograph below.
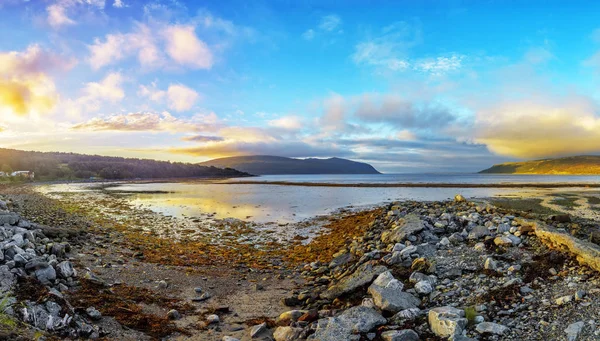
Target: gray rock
x=479 y=232
x=65 y=269
x=229 y=338
x=490 y=328
x=363 y=275
x=406 y=226
x=341 y=260
x=423 y=287
x=388 y=295
x=447 y=321
x=258 y=329
x=400 y=335
x=490 y=264
x=357 y=319
x=213 y=319
x=173 y=315
x=564 y=299
x=286 y=333
x=573 y=330
x=94 y=314
x=46 y=274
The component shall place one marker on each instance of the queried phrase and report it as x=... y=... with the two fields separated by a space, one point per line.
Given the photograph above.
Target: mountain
x=271 y=165
x=53 y=165
x=573 y=165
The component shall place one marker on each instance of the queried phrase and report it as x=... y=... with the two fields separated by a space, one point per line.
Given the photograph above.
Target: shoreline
x=416 y=185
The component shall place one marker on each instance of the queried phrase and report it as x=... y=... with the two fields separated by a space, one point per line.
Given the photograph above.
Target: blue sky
x=407 y=86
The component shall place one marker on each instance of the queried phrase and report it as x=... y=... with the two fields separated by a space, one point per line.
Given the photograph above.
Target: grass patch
x=593 y=200
x=566 y=202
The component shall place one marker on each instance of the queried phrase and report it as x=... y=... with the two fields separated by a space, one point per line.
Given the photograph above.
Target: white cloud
x=181 y=98
x=119 y=4
x=108 y=89
x=330 y=22
x=151 y=92
x=406 y=135
x=184 y=47
x=287 y=123
x=58 y=12
x=147 y=43
x=439 y=65
x=309 y=34
x=57 y=16
x=147 y=121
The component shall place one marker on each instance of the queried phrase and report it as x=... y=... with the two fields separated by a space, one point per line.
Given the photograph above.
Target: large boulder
x=363 y=275
x=388 y=295
x=359 y=319
x=447 y=321
x=405 y=227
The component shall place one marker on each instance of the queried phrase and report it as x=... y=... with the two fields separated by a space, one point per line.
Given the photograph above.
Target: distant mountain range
x=573 y=165
x=272 y=165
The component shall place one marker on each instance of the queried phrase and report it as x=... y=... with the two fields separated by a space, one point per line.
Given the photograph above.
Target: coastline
x=416 y=185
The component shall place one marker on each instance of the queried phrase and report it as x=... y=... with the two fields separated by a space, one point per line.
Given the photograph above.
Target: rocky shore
x=454 y=270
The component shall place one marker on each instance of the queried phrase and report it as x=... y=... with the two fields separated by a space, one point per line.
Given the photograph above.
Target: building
x=23 y=174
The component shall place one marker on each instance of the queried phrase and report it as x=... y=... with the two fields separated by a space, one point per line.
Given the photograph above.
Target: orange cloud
x=22 y=98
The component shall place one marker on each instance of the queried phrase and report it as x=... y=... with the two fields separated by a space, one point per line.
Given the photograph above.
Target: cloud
x=202 y=138
x=147 y=43
x=287 y=123
x=119 y=4
x=58 y=12
x=308 y=34
x=439 y=65
x=186 y=49
x=178 y=97
x=147 y=121
x=406 y=135
x=181 y=98
x=540 y=127
x=26 y=86
x=330 y=22
x=108 y=89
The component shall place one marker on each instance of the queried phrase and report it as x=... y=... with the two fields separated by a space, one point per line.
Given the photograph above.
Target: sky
x=408 y=86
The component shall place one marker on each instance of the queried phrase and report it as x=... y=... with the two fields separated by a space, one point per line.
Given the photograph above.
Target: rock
x=229 y=338
x=290 y=316
x=65 y=269
x=407 y=314
x=388 y=295
x=173 y=315
x=213 y=319
x=479 y=232
x=363 y=275
x=490 y=264
x=573 y=330
x=447 y=321
x=93 y=313
x=342 y=259
x=163 y=284
x=258 y=329
x=579 y=295
x=564 y=299
x=479 y=247
x=400 y=335
x=286 y=333
x=406 y=227
x=459 y=198
x=445 y=241
x=357 y=319
x=198 y=290
x=503 y=241
x=490 y=328
x=423 y=287
x=45 y=275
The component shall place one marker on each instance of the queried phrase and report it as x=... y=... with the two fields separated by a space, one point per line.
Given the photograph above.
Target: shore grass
x=530 y=205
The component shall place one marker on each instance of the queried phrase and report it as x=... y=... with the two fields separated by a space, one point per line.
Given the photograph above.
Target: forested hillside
x=53 y=165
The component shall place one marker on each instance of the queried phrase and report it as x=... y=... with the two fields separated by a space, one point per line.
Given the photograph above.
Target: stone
x=173 y=315
x=290 y=316
x=478 y=232
x=423 y=287
x=93 y=313
x=286 y=333
x=579 y=295
x=211 y=319
x=503 y=241
x=388 y=295
x=490 y=264
x=363 y=275
x=459 y=198
x=573 y=330
x=229 y=338
x=163 y=284
x=406 y=227
x=45 y=275
x=258 y=329
x=342 y=259
x=490 y=328
x=400 y=335
x=357 y=319
x=564 y=300
x=445 y=241
x=65 y=269
x=447 y=321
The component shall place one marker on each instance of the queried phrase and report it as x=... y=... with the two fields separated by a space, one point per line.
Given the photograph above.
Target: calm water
x=274 y=203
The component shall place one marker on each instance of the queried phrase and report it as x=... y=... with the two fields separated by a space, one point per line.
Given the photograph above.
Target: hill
x=271 y=165
x=53 y=165
x=573 y=165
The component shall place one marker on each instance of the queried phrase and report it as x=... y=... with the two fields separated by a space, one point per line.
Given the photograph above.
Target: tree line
x=55 y=165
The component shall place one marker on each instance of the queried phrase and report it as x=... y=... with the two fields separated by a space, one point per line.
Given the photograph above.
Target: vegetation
x=575 y=165
x=52 y=166
x=268 y=165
